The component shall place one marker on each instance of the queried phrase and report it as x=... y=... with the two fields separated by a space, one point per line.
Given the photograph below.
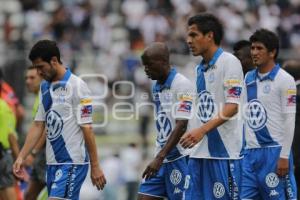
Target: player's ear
x=54 y=60
x=272 y=53
x=210 y=35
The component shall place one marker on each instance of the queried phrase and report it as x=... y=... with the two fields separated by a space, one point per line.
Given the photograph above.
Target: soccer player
x=65 y=110
x=242 y=52
x=37 y=157
x=215 y=161
x=271 y=105
x=165 y=176
x=9 y=150
x=293 y=68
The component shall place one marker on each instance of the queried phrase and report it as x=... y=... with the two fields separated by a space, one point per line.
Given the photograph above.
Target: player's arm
x=13 y=141
x=35 y=132
x=97 y=174
x=40 y=144
x=288 y=102
x=194 y=136
x=232 y=89
x=172 y=141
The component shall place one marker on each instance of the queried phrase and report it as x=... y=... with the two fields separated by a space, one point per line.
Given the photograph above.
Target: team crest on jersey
x=175 y=177
x=267 y=89
x=256 y=115
x=164 y=127
x=272 y=180
x=55 y=124
x=218 y=190
x=206 y=107
x=211 y=78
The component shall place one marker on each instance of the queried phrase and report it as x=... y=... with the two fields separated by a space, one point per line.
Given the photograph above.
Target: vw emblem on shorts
x=54 y=125
x=175 y=177
x=164 y=127
x=58 y=175
x=272 y=180
x=206 y=106
x=256 y=115
x=219 y=190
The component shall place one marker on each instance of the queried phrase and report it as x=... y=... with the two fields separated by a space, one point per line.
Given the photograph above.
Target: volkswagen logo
x=256 y=115
x=54 y=125
x=219 y=190
x=206 y=106
x=164 y=127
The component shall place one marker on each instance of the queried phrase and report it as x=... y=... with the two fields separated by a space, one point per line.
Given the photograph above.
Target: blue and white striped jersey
x=64 y=106
x=268 y=99
x=218 y=83
x=174 y=100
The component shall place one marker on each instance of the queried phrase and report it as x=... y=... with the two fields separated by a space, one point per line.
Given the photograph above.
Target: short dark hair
x=207 y=22
x=241 y=44
x=45 y=49
x=268 y=38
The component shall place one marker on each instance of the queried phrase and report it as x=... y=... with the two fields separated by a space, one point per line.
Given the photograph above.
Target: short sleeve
x=288 y=96
x=83 y=104
x=184 y=99
x=233 y=81
x=40 y=114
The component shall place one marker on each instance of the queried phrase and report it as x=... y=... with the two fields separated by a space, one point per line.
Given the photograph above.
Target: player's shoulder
x=228 y=60
x=181 y=80
x=227 y=56
x=284 y=76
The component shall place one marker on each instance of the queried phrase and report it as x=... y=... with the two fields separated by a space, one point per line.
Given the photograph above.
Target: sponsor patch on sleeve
x=185 y=106
x=86 y=111
x=232 y=82
x=291 y=100
x=85 y=101
x=234 y=92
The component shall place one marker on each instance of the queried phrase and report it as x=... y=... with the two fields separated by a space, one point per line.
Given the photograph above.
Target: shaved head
x=158 y=51
x=156 y=61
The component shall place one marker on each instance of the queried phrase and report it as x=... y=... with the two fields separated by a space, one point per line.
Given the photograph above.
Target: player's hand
x=18 y=169
x=153 y=167
x=282 y=167
x=98 y=178
x=191 y=138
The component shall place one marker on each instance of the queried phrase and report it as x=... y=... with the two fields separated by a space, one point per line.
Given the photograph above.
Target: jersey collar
x=213 y=61
x=63 y=81
x=271 y=75
x=167 y=85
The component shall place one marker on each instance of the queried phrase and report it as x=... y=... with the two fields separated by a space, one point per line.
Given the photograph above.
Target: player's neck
x=164 y=76
x=208 y=55
x=266 y=67
x=61 y=70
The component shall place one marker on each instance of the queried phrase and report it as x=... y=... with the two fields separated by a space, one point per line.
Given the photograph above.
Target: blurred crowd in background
x=107 y=37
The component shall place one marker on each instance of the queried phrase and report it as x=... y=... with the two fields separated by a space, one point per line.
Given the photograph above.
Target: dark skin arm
x=173 y=140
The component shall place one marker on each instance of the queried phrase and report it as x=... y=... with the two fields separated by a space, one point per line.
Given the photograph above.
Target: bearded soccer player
x=65 y=109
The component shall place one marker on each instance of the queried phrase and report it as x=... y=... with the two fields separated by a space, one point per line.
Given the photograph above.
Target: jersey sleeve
x=40 y=114
x=83 y=104
x=233 y=81
x=184 y=96
x=288 y=96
